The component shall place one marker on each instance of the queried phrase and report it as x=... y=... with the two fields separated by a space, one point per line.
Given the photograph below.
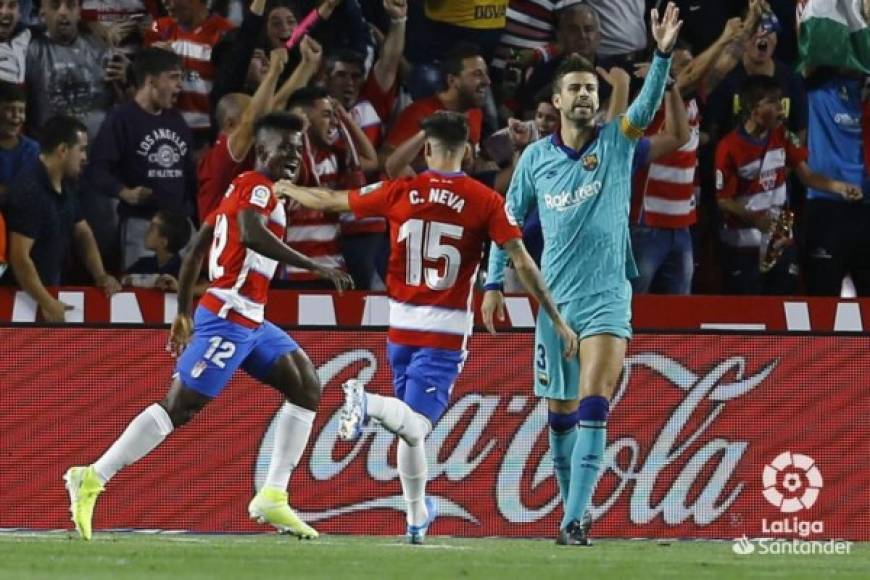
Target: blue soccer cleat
x=416 y=534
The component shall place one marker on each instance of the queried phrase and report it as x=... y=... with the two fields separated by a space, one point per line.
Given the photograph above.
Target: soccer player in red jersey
x=439 y=223
x=244 y=236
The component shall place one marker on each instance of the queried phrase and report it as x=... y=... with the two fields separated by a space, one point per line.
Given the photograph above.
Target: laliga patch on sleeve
x=720 y=180
x=370 y=188
x=260 y=196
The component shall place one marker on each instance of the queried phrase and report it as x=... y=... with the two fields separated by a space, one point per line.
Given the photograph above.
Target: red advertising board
x=709 y=437
x=362 y=309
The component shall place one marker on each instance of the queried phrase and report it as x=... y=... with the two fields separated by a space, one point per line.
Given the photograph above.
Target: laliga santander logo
x=792 y=482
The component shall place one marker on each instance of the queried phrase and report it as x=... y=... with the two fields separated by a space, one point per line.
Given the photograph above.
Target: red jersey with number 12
x=439 y=224
x=240 y=276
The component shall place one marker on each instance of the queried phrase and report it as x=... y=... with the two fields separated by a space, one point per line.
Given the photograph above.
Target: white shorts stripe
x=429 y=318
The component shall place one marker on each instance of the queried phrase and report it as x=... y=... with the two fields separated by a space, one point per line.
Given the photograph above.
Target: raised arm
x=732 y=52
x=399 y=161
x=387 y=66
x=312 y=54
x=240 y=140
x=676 y=132
x=368 y=157
x=644 y=107
x=691 y=78
x=620 y=81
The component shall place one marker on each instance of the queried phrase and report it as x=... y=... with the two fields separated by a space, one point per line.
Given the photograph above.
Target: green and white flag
x=834 y=33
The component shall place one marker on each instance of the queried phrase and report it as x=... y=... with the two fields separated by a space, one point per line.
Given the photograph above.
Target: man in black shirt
x=44 y=218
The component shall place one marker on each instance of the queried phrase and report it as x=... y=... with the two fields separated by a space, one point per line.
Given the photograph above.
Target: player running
x=439 y=223
x=229 y=332
x=580 y=180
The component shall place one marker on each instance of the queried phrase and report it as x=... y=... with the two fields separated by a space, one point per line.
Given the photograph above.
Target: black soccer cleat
x=576 y=533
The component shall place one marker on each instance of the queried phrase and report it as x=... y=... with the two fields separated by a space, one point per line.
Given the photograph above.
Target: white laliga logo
x=794 y=467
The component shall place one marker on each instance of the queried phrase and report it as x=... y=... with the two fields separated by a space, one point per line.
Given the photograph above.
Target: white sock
x=144 y=433
x=397 y=417
x=413 y=473
x=291 y=437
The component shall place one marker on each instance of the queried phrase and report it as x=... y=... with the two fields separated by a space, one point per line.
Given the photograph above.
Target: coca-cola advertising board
x=710 y=436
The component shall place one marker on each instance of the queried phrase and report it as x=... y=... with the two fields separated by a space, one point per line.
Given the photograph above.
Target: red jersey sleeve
x=502 y=226
x=726 y=170
x=375 y=200
x=255 y=195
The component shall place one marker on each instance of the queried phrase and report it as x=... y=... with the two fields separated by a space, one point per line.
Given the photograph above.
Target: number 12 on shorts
x=219 y=351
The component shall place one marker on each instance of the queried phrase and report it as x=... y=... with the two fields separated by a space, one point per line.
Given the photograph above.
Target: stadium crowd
x=122 y=123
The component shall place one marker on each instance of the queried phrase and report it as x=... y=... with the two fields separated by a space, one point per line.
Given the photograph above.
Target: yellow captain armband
x=629 y=130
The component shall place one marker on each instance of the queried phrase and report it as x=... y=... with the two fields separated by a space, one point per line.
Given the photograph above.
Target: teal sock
x=561 y=448
x=585 y=468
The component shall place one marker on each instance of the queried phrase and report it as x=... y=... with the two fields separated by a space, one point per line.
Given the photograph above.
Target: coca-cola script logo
x=702 y=489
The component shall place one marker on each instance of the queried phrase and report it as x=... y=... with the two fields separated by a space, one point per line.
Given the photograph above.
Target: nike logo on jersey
x=566 y=199
x=431 y=390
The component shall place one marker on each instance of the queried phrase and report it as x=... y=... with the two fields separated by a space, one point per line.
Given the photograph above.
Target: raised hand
x=396 y=9
x=666 y=29
x=311 y=50
x=326 y=9
x=615 y=76
x=278 y=59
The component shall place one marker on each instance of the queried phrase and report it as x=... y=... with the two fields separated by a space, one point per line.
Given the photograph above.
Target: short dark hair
x=60 y=130
x=307 y=96
x=756 y=88
x=291 y=5
x=545 y=95
x=344 y=55
x=12 y=93
x=152 y=62
x=175 y=228
x=279 y=121
x=448 y=127
x=571 y=64
x=452 y=63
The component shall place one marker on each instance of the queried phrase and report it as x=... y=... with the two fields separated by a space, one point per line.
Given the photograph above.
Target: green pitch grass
x=54 y=556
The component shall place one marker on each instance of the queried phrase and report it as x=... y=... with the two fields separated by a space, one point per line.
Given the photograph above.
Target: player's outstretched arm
x=191 y=265
x=317 y=198
x=256 y=236
x=665 y=31
x=530 y=276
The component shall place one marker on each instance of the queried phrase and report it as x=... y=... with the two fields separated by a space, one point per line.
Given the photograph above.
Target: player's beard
x=580 y=120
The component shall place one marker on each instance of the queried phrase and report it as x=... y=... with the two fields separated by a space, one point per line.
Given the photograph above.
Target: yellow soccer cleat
x=83 y=487
x=270 y=506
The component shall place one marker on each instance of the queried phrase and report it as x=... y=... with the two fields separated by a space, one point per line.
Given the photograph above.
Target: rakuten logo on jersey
x=564 y=200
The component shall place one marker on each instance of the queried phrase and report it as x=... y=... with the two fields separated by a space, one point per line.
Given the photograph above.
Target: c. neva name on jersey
x=565 y=199
x=436 y=195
